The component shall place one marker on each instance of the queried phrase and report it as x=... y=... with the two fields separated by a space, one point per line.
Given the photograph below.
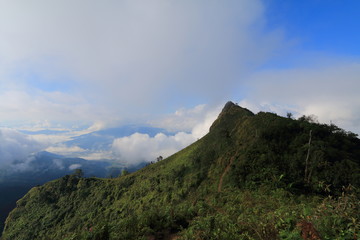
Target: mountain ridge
x=245 y=179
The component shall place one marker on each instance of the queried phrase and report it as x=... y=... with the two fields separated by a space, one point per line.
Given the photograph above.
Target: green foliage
x=124 y=172
x=78 y=173
x=244 y=180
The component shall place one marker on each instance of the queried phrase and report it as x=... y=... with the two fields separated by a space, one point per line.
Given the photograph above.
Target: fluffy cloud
x=98 y=155
x=184 y=119
x=16 y=149
x=74 y=166
x=65 y=150
x=141 y=147
x=329 y=92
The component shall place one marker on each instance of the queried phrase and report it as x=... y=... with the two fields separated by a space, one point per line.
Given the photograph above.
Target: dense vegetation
x=45 y=167
x=252 y=177
x=10 y=193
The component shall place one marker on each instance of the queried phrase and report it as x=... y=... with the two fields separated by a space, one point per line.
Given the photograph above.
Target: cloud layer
x=16 y=149
x=79 y=60
x=329 y=92
x=141 y=147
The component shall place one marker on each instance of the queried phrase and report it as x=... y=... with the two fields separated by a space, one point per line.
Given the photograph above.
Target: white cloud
x=202 y=128
x=103 y=60
x=141 y=147
x=59 y=163
x=74 y=166
x=98 y=155
x=329 y=92
x=16 y=148
x=185 y=119
x=65 y=150
x=78 y=152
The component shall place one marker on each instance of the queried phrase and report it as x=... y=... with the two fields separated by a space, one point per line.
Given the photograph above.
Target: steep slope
x=251 y=177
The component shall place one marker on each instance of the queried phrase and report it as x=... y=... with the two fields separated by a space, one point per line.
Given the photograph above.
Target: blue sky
x=327 y=26
x=172 y=64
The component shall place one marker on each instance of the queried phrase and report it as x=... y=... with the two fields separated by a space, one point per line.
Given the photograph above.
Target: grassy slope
x=244 y=180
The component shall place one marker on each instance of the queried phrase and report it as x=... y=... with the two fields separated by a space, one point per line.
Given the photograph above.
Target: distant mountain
x=253 y=176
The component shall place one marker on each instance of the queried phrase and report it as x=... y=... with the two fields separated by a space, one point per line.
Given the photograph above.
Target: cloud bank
x=141 y=147
x=16 y=149
x=80 y=60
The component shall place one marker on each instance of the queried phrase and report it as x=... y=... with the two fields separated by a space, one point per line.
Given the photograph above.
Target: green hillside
x=251 y=177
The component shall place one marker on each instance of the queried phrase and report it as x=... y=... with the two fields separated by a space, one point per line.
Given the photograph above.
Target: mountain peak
x=230 y=113
x=229 y=105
